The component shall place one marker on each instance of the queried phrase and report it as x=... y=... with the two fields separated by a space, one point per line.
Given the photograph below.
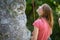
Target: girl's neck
x=41 y=17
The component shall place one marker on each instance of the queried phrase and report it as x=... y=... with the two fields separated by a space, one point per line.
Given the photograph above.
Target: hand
x=32 y=38
x=32 y=33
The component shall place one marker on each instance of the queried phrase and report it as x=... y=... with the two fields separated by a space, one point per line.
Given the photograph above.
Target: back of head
x=47 y=13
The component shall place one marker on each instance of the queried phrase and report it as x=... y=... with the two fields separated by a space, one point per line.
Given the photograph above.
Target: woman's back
x=44 y=29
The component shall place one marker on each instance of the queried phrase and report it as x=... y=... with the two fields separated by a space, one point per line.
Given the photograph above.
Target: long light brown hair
x=48 y=14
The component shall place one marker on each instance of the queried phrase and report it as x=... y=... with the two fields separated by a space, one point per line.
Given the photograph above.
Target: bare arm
x=35 y=33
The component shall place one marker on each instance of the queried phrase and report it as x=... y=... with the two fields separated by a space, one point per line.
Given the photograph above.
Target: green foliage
x=55 y=5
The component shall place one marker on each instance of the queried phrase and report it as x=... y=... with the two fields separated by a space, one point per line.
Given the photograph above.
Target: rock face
x=13 y=20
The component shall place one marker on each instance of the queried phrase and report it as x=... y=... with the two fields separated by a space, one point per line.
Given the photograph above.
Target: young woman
x=44 y=24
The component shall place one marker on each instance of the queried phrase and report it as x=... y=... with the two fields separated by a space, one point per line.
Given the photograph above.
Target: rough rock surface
x=13 y=20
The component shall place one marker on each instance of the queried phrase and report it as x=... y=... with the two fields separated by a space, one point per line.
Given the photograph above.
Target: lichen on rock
x=13 y=20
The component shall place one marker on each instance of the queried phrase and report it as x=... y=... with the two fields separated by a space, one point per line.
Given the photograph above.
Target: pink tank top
x=44 y=29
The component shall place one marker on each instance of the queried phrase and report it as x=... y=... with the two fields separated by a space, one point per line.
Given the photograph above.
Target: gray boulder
x=13 y=20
